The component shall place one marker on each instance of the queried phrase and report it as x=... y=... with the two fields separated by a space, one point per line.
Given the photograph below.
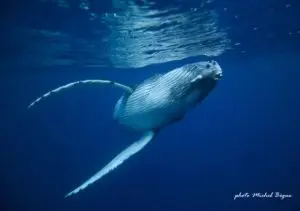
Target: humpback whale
x=152 y=105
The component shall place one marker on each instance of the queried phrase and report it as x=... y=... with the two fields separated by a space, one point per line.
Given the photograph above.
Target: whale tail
x=118 y=160
x=70 y=85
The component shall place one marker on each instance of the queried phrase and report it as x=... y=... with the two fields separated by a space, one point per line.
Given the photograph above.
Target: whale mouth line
x=218 y=76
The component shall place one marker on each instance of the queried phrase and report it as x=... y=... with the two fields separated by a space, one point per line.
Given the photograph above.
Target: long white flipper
x=119 y=159
x=70 y=85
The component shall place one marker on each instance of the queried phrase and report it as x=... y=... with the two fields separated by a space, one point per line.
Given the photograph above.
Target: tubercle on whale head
x=213 y=70
x=216 y=70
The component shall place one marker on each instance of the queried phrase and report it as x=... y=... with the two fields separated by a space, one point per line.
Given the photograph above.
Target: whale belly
x=146 y=110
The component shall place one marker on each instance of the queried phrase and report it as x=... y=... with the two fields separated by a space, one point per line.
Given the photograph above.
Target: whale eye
x=208 y=66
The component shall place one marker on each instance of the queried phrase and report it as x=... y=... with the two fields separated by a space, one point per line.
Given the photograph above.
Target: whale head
x=212 y=70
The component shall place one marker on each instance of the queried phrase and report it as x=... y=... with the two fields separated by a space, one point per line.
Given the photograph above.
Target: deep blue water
x=243 y=138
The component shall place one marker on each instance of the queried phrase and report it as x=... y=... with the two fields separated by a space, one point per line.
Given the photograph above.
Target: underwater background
x=244 y=138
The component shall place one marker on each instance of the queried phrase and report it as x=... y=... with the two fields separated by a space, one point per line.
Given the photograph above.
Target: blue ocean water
x=242 y=139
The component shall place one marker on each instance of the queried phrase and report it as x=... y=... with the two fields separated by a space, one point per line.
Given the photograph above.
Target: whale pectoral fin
x=126 y=88
x=197 y=79
x=118 y=160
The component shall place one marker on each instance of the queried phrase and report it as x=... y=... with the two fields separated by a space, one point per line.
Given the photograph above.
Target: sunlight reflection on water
x=136 y=35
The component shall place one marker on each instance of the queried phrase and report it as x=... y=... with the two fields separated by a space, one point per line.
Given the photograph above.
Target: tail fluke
x=118 y=160
x=70 y=85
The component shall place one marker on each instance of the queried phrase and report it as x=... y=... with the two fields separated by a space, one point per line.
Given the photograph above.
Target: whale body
x=154 y=104
x=165 y=98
